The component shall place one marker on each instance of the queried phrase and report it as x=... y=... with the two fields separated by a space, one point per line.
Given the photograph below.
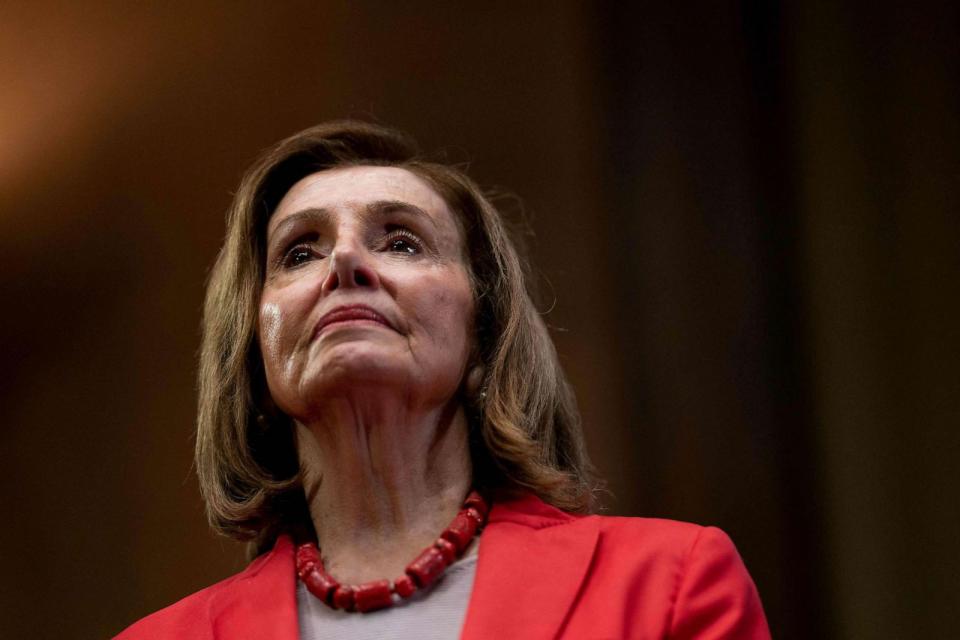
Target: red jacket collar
x=533 y=559
x=261 y=601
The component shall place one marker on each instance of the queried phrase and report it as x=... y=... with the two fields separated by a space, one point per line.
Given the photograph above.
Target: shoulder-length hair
x=524 y=427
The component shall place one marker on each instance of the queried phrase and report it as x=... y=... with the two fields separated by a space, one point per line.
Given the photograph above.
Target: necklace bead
x=372 y=595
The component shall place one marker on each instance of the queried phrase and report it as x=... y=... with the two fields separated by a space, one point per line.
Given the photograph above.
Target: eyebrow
x=377 y=209
x=384 y=207
x=316 y=215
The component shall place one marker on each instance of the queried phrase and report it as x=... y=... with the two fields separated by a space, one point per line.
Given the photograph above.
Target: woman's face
x=366 y=289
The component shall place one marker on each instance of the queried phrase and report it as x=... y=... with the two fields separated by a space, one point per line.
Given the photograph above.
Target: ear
x=474 y=380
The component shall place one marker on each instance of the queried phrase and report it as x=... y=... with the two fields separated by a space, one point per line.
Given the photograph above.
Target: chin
x=354 y=366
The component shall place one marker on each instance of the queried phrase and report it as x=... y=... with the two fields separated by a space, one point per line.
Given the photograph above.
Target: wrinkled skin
x=376 y=236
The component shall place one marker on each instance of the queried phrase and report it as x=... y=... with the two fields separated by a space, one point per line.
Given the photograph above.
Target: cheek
x=283 y=312
x=450 y=310
x=270 y=330
x=280 y=323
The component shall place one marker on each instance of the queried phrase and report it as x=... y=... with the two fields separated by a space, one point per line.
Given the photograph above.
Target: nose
x=349 y=268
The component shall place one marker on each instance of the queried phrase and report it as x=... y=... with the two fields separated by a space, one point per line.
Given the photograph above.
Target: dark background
x=746 y=222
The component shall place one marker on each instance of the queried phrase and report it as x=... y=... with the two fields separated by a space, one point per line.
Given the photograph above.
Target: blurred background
x=746 y=227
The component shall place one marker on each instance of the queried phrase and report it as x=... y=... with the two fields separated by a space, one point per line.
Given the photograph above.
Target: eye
x=402 y=241
x=298 y=255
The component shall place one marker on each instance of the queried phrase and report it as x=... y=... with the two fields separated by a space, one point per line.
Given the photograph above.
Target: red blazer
x=541 y=573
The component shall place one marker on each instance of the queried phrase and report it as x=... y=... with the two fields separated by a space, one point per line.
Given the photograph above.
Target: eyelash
x=401 y=233
x=396 y=233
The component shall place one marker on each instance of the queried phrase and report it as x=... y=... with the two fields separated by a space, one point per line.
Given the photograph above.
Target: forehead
x=348 y=188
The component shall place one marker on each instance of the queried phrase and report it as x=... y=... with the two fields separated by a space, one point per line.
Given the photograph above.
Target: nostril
x=332 y=281
x=361 y=278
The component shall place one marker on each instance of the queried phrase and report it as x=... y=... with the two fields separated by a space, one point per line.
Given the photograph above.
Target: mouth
x=350 y=314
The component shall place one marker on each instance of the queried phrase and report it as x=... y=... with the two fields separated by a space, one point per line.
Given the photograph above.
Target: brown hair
x=525 y=433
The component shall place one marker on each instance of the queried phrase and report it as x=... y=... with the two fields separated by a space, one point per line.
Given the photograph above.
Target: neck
x=382 y=481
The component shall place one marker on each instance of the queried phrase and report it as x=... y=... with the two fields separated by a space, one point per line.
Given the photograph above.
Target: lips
x=350 y=313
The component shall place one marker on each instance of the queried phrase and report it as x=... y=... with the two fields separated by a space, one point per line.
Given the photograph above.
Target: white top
x=436 y=613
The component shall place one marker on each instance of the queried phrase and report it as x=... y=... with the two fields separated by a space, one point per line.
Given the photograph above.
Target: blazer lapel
x=533 y=560
x=261 y=602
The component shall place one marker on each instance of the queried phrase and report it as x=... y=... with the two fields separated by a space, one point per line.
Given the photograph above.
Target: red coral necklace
x=419 y=574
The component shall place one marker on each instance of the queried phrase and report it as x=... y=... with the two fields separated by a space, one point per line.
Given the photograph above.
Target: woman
x=382 y=414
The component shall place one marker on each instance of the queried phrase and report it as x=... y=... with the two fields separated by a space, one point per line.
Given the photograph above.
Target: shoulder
x=658 y=535
x=629 y=535
x=658 y=551
x=649 y=548
x=689 y=578
x=697 y=570
x=671 y=542
x=194 y=615
x=185 y=617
